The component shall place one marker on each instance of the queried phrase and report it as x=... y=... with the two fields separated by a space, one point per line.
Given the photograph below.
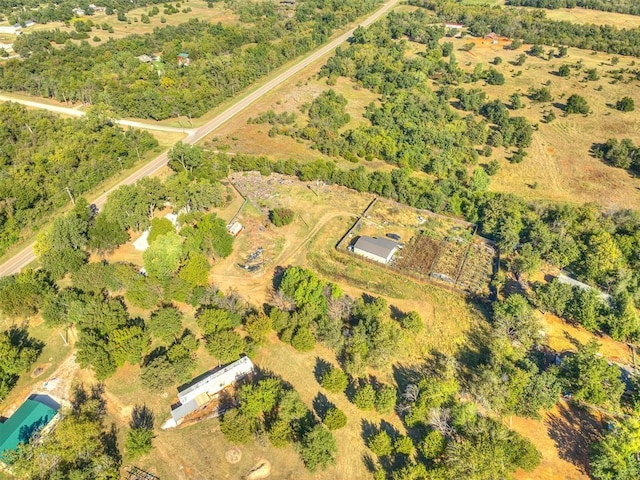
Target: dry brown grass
x=583 y=15
x=239 y=136
x=559 y=164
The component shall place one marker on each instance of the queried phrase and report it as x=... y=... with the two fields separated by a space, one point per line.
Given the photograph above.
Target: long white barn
x=205 y=389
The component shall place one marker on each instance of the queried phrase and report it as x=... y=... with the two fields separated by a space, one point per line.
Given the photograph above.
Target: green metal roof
x=23 y=424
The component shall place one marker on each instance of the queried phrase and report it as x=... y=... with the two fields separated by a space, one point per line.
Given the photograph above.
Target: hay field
x=559 y=166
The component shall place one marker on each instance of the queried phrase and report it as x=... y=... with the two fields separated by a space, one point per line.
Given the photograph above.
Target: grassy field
x=558 y=167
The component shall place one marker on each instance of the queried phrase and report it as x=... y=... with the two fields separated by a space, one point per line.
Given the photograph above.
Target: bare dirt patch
x=261 y=470
x=233 y=455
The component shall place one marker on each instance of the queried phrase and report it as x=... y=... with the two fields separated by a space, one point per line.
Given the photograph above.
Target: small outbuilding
x=379 y=250
x=34 y=414
x=235 y=228
x=183 y=59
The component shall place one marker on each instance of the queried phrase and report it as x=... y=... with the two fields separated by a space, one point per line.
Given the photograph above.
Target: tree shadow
x=396 y=313
x=321 y=405
x=368 y=429
x=573 y=431
x=142 y=417
x=322 y=367
x=110 y=442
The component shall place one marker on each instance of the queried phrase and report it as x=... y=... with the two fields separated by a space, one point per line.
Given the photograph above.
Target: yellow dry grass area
x=199 y=10
x=564 y=437
x=239 y=136
x=583 y=15
x=559 y=164
x=562 y=336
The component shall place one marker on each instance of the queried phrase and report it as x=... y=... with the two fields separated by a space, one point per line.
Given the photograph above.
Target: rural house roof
x=34 y=414
x=382 y=247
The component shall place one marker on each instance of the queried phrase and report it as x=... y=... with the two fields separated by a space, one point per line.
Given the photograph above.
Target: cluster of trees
x=454 y=440
x=271 y=407
x=62 y=11
x=618 y=6
x=281 y=216
x=176 y=265
x=81 y=445
x=311 y=309
x=18 y=352
x=224 y=60
x=618 y=317
x=532 y=26
x=622 y=154
x=412 y=126
x=45 y=160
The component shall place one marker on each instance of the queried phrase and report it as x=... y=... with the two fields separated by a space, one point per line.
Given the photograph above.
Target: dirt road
x=74 y=112
x=27 y=255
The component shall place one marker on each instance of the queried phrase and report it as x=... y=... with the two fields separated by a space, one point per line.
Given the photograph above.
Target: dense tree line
x=45 y=159
x=618 y=6
x=532 y=26
x=224 y=60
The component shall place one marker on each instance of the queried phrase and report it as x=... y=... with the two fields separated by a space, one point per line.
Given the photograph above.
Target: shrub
x=280 y=433
x=365 y=398
x=335 y=419
x=334 y=380
x=625 y=104
x=385 y=399
x=318 y=448
x=577 y=104
x=236 y=426
x=281 y=216
x=403 y=445
x=380 y=444
x=303 y=340
x=433 y=444
x=412 y=322
x=139 y=441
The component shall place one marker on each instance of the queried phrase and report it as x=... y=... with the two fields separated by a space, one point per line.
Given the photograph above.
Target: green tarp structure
x=23 y=424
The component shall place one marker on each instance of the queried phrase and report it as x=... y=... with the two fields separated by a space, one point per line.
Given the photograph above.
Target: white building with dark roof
x=379 y=250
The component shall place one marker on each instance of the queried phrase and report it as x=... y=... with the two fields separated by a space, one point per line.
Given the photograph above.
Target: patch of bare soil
x=233 y=455
x=262 y=469
x=39 y=370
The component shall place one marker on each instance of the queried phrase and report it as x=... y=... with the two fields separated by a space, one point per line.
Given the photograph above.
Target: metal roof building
x=377 y=249
x=34 y=414
x=203 y=390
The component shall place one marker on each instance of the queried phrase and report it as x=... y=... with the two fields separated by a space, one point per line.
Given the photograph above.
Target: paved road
x=27 y=255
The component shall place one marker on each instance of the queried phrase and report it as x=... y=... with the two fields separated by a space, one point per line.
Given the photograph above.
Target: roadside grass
x=596 y=17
